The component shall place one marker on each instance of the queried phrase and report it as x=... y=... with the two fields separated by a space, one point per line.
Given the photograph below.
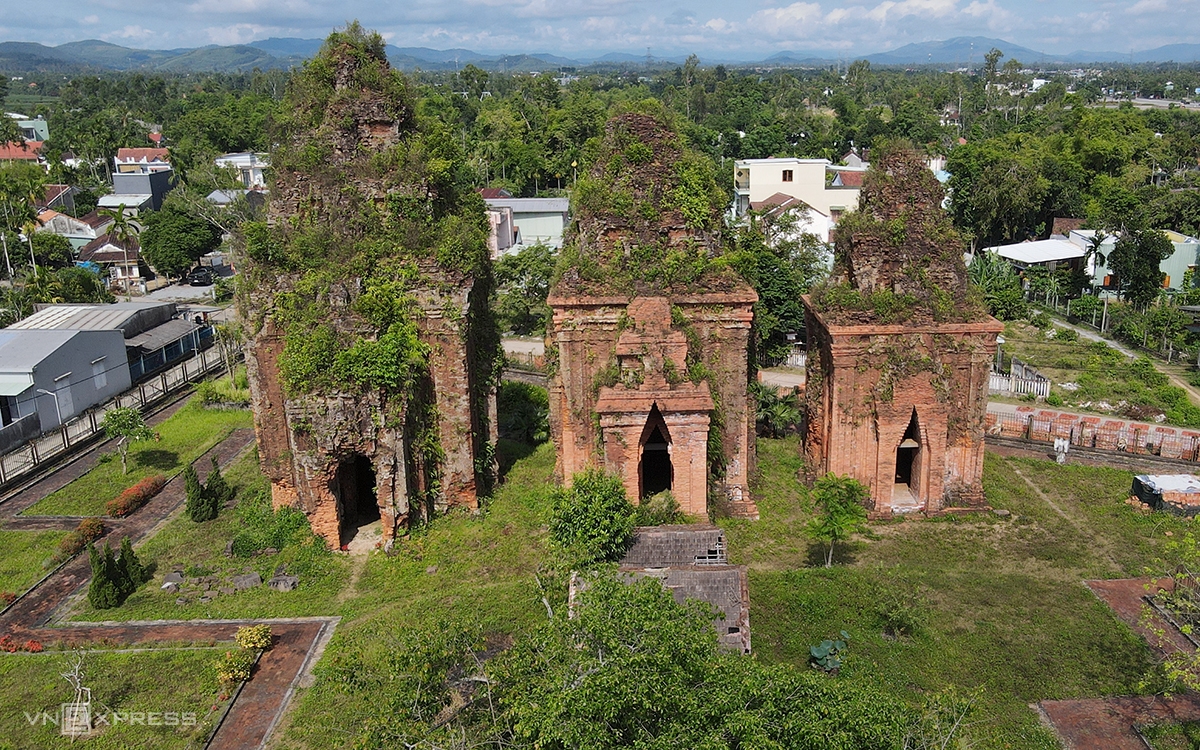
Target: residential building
x=139 y=191
x=155 y=334
x=251 y=167
x=533 y=220
x=120 y=260
x=48 y=377
x=809 y=220
x=807 y=180
x=77 y=231
x=141 y=160
x=1173 y=267
x=60 y=197
x=32 y=128
x=26 y=151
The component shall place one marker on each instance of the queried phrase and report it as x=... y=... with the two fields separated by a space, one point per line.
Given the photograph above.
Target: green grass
x=182 y=544
x=465 y=569
x=185 y=436
x=22 y=554
x=998 y=603
x=121 y=682
x=1184 y=736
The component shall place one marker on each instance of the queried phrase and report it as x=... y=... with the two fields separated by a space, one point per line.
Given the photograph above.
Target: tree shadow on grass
x=157 y=459
x=843 y=554
x=509 y=452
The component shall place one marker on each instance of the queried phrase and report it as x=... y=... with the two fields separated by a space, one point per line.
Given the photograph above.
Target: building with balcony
x=826 y=188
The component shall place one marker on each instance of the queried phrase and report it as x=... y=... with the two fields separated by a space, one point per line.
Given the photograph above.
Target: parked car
x=201 y=277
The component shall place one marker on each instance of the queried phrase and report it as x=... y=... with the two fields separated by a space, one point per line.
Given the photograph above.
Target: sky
x=750 y=30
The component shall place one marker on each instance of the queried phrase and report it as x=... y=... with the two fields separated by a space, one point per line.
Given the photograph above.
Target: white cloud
x=792 y=20
x=1147 y=6
x=274 y=7
x=720 y=25
x=238 y=33
x=90 y=20
x=134 y=33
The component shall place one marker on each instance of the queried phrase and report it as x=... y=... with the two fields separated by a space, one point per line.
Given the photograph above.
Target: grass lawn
x=120 y=682
x=185 y=436
x=994 y=604
x=459 y=569
x=1185 y=736
x=183 y=544
x=1109 y=382
x=21 y=556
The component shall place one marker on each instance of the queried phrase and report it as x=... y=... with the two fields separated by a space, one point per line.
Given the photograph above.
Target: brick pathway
x=263 y=699
x=1108 y=723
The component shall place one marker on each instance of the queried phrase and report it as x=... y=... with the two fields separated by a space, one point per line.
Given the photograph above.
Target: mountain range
x=95 y=55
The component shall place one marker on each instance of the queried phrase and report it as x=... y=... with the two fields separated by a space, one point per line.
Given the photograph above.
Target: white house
x=811 y=221
x=827 y=189
x=251 y=167
x=534 y=220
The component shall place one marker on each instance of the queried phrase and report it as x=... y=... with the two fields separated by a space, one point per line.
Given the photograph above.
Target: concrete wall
x=87 y=370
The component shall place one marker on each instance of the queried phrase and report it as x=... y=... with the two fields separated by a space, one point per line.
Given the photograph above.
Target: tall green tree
x=174 y=238
x=1136 y=259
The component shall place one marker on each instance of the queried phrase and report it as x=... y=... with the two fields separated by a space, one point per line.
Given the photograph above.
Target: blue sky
x=575 y=28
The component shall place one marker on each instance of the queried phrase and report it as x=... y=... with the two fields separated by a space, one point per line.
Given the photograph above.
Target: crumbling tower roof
x=647 y=217
x=898 y=258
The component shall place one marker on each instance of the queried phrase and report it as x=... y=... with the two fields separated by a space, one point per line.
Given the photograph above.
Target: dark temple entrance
x=354 y=485
x=907 y=454
x=654 y=466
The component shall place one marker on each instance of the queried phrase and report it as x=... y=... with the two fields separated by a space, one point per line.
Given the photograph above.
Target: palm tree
x=123 y=232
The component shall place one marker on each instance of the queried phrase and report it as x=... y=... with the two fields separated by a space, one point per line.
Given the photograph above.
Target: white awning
x=14 y=384
x=1041 y=251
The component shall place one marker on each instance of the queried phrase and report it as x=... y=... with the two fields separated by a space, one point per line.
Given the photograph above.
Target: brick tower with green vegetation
x=373 y=358
x=899 y=350
x=649 y=338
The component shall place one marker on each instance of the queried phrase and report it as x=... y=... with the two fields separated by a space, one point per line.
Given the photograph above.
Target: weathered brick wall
x=864 y=384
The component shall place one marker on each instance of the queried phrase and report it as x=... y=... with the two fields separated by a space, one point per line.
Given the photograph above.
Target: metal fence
x=1097 y=432
x=55 y=443
x=1011 y=385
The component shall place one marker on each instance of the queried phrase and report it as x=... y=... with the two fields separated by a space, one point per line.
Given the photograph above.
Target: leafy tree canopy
x=175 y=238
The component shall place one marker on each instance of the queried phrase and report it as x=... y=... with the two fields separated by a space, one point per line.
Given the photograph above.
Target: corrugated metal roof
x=86 y=317
x=159 y=336
x=21 y=351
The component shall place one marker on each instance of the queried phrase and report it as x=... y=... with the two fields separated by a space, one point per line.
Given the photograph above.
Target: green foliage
x=658 y=510
x=104 y=591
x=254 y=637
x=827 y=655
x=774 y=413
x=198 y=507
x=522 y=412
x=840 y=501
x=130 y=571
x=235 y=667
x=220 y=491
x=1040 y=320
x=522 y=285
x=175 y=237
x=1135 y=260
x=592 y=520
x=262 y=527
x=126 y=425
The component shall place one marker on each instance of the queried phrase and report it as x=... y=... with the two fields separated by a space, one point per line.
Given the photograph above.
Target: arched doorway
x=354 y=486
x=655 y=473
x=908 y=461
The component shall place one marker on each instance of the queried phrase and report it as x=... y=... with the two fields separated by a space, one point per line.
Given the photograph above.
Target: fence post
x=33 y=452
x=1029 y=427
x=66 y=436
x=164 y=383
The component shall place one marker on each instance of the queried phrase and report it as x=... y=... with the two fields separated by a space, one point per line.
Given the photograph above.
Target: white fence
x=1011 y=385
x=52 y=445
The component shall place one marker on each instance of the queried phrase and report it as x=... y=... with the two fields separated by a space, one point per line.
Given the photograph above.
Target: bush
x=1054 y=399
x=592 y=520
x=136 y=496
x=103 y=592
x=523 y=412
x=88 y=531
x=1066 y=334
x=1040 y=320
x=262 y=527
x=235 y=667
x=198 y=508
x=658 y=510
x=254 y=637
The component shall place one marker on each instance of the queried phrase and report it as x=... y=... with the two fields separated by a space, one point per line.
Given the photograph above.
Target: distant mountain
x=285 y=52
x=288 y=46
x=962 y=50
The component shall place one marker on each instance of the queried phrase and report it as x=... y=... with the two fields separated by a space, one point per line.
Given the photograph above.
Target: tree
x=130 y=571
x=218 y=490
x=52 y=250
x=126 y=425
x=523 y=283
x=840 y=502
x=592 y=519
x=1000 y=285
x=175 y=238
x=1136 y=260
x=103 y=592
x=197 y=501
